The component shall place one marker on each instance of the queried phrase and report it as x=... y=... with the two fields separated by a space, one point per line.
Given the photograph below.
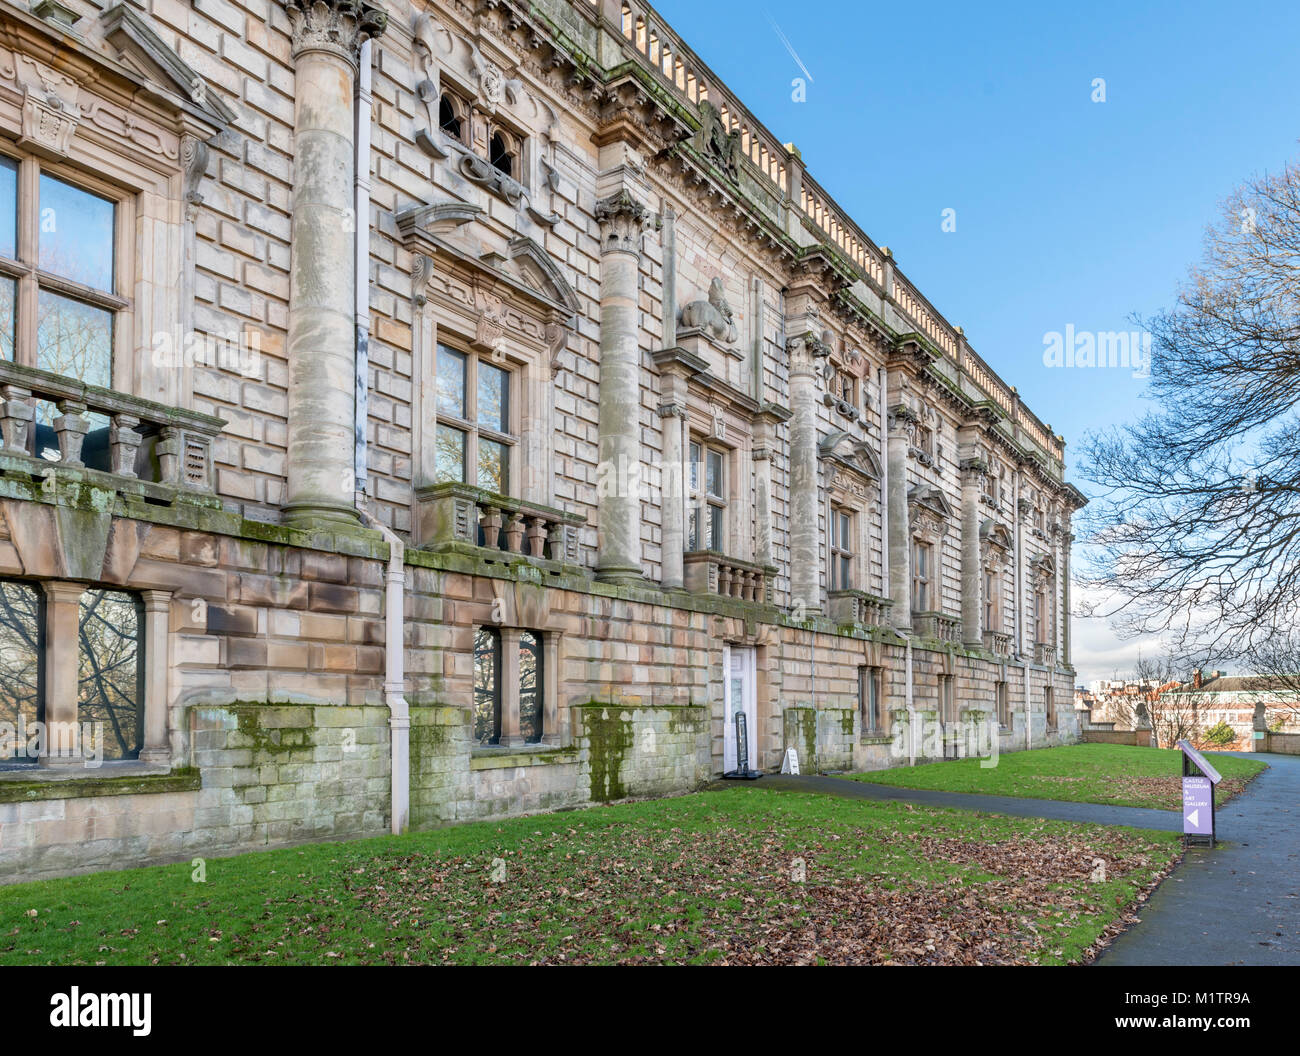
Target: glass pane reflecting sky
x=8 y=208
x=76 y=234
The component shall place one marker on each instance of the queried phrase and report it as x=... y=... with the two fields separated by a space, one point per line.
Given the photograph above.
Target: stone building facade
x=434 y=411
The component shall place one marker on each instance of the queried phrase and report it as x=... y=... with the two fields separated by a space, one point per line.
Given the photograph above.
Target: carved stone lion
x=714 y=316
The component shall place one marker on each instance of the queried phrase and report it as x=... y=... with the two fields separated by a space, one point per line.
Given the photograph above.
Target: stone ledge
x=509 y=758
x=65 y=787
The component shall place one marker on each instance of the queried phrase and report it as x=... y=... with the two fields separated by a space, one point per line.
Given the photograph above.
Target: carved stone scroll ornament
x=50 y=112
x=194 y=159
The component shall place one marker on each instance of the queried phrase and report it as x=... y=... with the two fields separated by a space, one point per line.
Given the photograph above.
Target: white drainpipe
x=399 y=711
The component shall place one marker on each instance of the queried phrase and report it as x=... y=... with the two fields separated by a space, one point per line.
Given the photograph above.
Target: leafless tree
x=1196 y=532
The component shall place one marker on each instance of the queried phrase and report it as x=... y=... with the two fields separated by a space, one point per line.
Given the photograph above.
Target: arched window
x=451 y=116
x=502 y=153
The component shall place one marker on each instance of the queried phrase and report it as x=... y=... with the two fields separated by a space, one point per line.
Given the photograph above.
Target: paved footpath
x=1238 y=903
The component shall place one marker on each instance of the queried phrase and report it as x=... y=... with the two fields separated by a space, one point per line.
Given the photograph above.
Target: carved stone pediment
x=1042 y=570
x=995 y=543
x=853 y=461
x=522 y=292
x=928 y=511
x=142 y=50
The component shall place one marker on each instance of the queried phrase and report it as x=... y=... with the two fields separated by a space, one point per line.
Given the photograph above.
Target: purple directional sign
x=1198 y=806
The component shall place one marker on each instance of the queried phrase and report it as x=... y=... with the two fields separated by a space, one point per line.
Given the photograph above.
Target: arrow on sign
x=1194 y=818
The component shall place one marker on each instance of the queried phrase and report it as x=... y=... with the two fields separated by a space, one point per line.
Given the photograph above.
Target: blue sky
x=1068 y=211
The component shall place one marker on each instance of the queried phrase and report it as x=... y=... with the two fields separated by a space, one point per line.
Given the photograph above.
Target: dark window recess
x=448 y=119
x=500 y=156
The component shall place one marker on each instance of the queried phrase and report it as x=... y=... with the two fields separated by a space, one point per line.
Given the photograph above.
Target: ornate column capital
x=808 y=351
x=335 y=26
x=622 y=221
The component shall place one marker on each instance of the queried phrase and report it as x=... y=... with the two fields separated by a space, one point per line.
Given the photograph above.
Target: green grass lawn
x=711 y=877
x=1115 y=774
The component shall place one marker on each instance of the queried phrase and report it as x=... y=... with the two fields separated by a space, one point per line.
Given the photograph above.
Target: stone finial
x=336 y=26
x=622 y=221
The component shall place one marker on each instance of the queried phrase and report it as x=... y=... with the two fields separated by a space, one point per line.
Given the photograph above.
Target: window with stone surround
x=707 y=517
x=841 y=549
x=509 y=688
x=110 y=696
x=453 y=116
x=504 y=152
x=1003 y=701
x=22 y=648
x=1041 y=617
x=74 y=676
x=487 y=685
x=475 y=439
x=61 y=257
x=991 y=613
x=922 y=572
x=947 y=698
x=1049 y=706
x=869 y=700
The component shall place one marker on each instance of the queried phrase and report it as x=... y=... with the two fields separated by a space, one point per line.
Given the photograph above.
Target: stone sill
x=509 y=758
x=875 y=738
x=111 y=779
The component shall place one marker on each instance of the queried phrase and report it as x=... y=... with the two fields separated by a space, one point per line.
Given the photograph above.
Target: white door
x=738 y=666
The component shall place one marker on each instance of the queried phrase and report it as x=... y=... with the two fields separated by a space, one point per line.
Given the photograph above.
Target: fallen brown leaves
x=731 y=896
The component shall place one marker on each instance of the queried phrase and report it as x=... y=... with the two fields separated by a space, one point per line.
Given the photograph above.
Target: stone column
x=764 y=441
x=672 y=484
x=902 y=423
x=806 y=354
x=972 y=583
x=62 y=661
x=622 y=221
x=327 y=36
x=157 y=619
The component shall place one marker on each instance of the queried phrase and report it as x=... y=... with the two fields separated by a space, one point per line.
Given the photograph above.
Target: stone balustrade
x=85 y=427
x=938 y=625
x=452 y=513
x=709 y=572
x=1045 y=653
x=997 y=643
x=857 y=606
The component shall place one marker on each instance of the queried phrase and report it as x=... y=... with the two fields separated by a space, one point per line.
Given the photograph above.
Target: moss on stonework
x=181 y=779
x=608 y=739
x=846 y=722
x=801 y=728
x=274 y=740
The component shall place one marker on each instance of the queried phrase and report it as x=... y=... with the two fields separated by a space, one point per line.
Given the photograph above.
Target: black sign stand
x=742 y=771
